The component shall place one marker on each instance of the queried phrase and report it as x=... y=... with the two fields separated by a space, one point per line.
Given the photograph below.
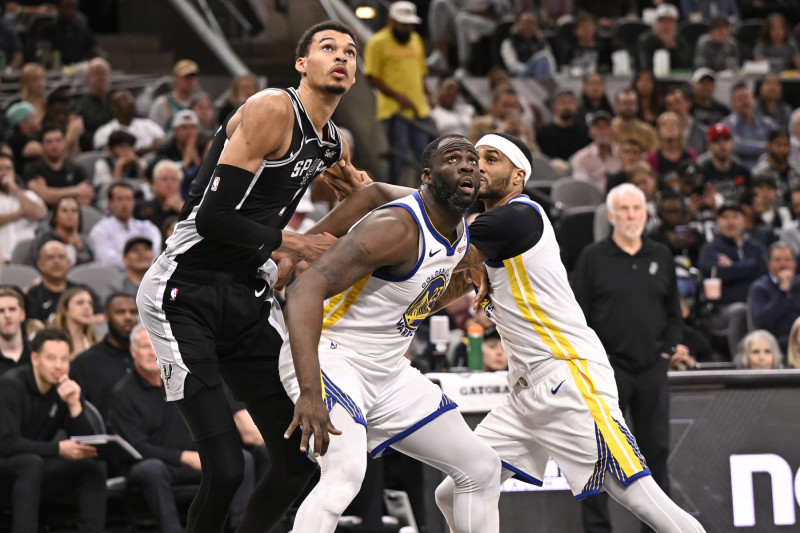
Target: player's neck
x=489 y=203
x=443 y=218
x=319 y=105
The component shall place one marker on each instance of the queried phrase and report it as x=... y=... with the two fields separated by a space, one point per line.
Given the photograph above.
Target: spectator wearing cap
x=775 y=163
x=149 y=135
x=25 y=126
x=525 y=52
x=565 y=134
x=750 y=129
x=167 y=201
x=394 y=64
x=20 y=209
x=774 y=298
x=449 y=114
x=95 y=105
x=69 y=34
x=770 y=101
x=717 y=50
x=679 y=101
x=738 y=261
x=585 y=53
x=775 y=45
x=184 y=83
x=720 y=168
x=110 y=234
x=137 y=255
x=665 y=36
x=183 y=146
x=600 y=158
x=627 y=124
x=708 y=10
x=705 y=109
x=672 y=148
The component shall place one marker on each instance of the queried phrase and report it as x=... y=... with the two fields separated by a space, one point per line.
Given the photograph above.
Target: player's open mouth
x=467 y=185
x=339 y=72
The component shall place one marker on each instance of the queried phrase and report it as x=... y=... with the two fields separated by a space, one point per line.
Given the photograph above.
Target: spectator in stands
x=790 y=232
x=750 y=129
x=717 y=50
x=770 y=101
x=774 y=44
x=738 y=261
x=701 y=198
x=58 y=112
x=601 y=158
x=203 y=107
x=630 y=156
x=494 y=356
x=38 y=401
x=24 y=138
x=651 y=102
x=394 y=64
x=33 y=87
x=14 y=346
x=53 y=176
x=152 y=426
x=708 y=10
x=775 y=163
x=74 y=314
x=679 y=101
x=756 y=209
x=100 y=367
x=20 y=210
x=586 y=53
x=758 y=351
x=674 y=231
x=525 y=52
x=774 y=298
x=53 y=265
x=608 y=11
x=705 y=109
x=149 y=134
x=95 y=105
x=69 y=34
x=184 y=83
x=593 y=97
x=665 y=36
x=123 y=163
x=504 y=116
x=793 y=352
x=138 y=257
x=242 y=88
x=476 y=19
x=184 y=146
x=628 y=126
x=672 y=148
x=110 y=234
x=10 y=46
x=449 y=115
x=643 y=178
x=566 y=134
x=718 y=166
x=794 y=128
x=167 y=179
x=65 y=226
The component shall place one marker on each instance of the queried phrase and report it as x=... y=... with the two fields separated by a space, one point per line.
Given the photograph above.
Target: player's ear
x=300 y=65
x=426 y=176
x=519 y=178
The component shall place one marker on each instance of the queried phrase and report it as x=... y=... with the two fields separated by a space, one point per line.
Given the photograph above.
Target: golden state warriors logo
x=422 y=306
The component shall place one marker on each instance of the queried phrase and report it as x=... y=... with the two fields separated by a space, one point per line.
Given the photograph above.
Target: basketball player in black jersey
x=207 y=301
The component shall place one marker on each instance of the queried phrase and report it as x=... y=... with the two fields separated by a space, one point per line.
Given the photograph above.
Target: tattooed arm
x=387 y=238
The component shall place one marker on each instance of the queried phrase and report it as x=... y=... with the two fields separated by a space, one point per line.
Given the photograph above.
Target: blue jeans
x=401 y=135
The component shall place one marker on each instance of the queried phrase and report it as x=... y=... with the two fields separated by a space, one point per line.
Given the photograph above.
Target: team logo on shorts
x=173 y=293
x=421 y=308
x=215 y=184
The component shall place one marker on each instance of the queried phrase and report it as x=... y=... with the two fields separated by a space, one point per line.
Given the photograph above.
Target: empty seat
x=21 y=255
x=89 y=217
x=100 y=278
x=602 y=227
x=541 y=169
x=19 y=275
x=746 y=33
x=87 y=161
x=571 y=192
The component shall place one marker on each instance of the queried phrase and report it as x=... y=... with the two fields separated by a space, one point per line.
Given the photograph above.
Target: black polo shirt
x=7 y=364
x=143 y=417
x=631 y=301
x=29 y=419
x=98 y=369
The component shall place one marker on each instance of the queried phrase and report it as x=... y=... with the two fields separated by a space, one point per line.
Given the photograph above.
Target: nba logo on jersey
x=173 y=293
x=461 y=249
x=215 y=184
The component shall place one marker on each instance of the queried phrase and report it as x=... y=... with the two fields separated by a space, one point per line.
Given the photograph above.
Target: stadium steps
x=136 y=52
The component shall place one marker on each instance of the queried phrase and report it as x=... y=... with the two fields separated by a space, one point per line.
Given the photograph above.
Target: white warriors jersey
x=535 y=310
x=378 y=316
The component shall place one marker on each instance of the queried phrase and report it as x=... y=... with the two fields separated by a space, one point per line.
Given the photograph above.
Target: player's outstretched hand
x=311 y=415
x=316 y=245
x=286 y=261
x=345 y=179
x=478 y=276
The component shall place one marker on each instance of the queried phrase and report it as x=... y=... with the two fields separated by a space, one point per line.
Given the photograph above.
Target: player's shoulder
x=273 y=101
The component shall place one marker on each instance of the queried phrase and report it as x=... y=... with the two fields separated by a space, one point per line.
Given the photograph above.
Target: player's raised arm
x=386 y=238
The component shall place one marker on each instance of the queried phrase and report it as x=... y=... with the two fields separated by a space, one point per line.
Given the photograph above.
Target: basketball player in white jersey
x=381 y=281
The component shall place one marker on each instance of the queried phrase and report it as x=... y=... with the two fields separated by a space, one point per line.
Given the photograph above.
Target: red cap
x=718 y=130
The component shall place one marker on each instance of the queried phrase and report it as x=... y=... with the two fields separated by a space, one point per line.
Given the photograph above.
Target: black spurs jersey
x=270 y=199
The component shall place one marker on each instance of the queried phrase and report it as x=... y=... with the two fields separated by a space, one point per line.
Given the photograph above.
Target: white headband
x=510 y=150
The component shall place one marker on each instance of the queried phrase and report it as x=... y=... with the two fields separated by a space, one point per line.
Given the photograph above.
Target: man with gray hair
x=167 y=201
x=627 y=289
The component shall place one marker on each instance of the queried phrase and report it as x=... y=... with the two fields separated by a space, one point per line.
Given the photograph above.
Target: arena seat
x=571 y=192
x=19 y=275
x=575 y=232
x=21 y=255
x=100 y=278
x=746 y=33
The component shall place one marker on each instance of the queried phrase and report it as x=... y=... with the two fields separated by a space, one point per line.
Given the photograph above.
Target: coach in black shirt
x=627 y=289
x=36 y=402
x=100 y=367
